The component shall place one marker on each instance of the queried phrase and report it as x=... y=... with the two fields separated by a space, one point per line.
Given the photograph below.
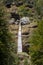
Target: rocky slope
x=26 y=34
x=22 y=9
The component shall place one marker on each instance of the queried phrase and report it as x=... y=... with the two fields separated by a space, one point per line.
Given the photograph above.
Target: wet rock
x=23 y=23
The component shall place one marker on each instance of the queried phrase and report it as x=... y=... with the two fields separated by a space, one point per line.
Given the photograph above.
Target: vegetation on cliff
x=7 y=56
x=37 y=38
x=8 y=49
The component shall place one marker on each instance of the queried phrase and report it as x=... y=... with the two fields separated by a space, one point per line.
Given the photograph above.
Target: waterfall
x=19 y=49
x=23 y=20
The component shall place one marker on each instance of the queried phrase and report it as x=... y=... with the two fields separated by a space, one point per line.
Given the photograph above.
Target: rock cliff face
x=17 y=11
x=26 y=34
x=23 y=12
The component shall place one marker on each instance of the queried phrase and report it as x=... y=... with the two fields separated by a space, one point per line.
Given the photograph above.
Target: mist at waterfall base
x=24 y=20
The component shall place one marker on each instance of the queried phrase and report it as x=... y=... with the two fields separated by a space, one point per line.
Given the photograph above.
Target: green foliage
x=4 y=38
x=39 y=6
x=26 y=61
x=22 y=11
x=7 y=48
x=37 y=47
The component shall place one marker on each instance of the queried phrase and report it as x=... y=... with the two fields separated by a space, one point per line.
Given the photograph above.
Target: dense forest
x=8 y=50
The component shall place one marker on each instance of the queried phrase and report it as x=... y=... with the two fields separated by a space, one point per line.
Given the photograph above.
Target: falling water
x=19 y=39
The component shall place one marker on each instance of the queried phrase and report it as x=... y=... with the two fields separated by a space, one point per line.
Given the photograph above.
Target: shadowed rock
x=14 y=29
x=19 y=3
x=28 y=1
x=26 y=48
x=15 y=16
x=25 y=33
x=29 y=5
x=35 y=26
x=8 y=4
x=27 y=42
